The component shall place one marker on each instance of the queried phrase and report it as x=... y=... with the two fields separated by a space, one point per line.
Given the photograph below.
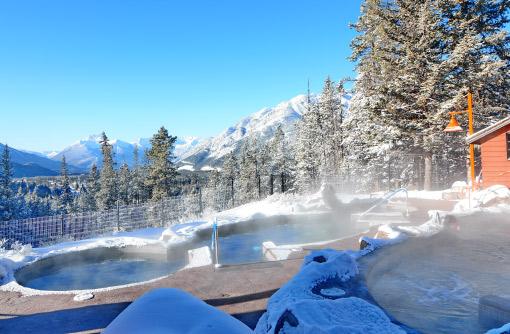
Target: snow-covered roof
x=476 y=137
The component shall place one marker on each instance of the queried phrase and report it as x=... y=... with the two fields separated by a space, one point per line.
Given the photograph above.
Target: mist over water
x=242 y=242
x=95 y=269
x=434 y=284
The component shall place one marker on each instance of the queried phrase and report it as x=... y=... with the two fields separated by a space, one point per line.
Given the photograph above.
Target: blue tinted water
x=104 y=274
x=246 y=246
x=238 y=244
x=434 y=284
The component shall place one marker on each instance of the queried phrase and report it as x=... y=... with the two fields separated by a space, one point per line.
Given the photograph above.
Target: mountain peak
x=95 y=138
x=259 y=126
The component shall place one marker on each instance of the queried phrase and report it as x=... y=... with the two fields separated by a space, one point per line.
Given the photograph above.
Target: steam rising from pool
x=434 y=284
x=97 y=268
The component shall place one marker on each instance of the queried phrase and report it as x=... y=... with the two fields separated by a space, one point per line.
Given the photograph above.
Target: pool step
x=494 y=311
x=378 y=218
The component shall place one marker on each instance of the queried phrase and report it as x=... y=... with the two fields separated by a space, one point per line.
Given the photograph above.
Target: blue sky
x=69 y=69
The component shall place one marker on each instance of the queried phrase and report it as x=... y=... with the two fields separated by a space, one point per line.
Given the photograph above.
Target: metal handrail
x=215 y=244
x=386 y=198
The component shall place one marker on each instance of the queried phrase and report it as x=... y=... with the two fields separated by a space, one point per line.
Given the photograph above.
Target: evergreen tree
x=280 y=160
x=137 y=190
x=307 y=148
x=248 y=174
x=330 y=118
x=214 y=179
x=124 y=184
x=230 y=172
x=66 y=197
x=7 y=205
x=416 y=60
x=263 y=169
x=107 y=196
x=90 y=197
x=161 y=170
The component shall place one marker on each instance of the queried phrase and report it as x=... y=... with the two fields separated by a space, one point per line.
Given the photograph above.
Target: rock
x=83 y=296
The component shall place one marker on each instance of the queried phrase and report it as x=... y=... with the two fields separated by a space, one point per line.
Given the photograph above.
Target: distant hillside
x=44 y=165
x=31 y=170
x=87 y=151
x=261 y=126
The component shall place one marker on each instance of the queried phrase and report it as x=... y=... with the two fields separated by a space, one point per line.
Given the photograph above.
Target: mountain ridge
x=259 y=126
x=192 y=153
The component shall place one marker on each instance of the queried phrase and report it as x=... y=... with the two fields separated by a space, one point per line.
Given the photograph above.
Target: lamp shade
x=453 y=126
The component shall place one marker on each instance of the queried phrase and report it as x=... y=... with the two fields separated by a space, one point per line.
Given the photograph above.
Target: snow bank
x=173 y=311
x=387 y=235
x=492 y=199
x=503 y=330
x=295 y=308
x=12 y=260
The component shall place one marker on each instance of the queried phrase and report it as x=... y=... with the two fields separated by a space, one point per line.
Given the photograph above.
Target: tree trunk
x=232 y=189
x=427 y=179
x=258 y=186
x=416 y=172
x=271 y=181
x=282 y=183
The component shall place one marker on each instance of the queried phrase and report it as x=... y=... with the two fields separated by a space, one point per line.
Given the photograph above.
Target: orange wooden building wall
x=494 y=158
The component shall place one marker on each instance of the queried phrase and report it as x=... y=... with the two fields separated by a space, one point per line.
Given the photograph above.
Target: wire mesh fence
x=169 y=211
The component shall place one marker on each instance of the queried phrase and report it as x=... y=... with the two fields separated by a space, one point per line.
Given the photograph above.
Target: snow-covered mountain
x=30 y=164
x=260 y=126
x=87 y=151
x=192 y=153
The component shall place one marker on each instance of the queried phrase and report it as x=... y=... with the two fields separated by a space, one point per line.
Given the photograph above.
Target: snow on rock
x=169 y=310
x=490 y=199
x=345 y=315
x=169 y=235
x=503 y=330
x=387 y=234
x=83 y=296
x=296 y=309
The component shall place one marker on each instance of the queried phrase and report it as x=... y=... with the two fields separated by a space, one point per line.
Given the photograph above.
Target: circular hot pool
x=99 y=268
x=434 y=284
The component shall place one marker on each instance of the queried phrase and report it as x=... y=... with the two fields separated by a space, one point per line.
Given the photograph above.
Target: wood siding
x=494 y=159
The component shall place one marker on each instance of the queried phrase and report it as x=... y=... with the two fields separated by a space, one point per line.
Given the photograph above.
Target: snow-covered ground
x=348 y=314
x=173 y=311
x=12 y=260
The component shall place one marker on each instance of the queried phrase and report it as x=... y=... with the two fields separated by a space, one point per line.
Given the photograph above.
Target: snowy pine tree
x=230 y=173
x=306 y=149
x=416 y=60
x=248 y=174
x=137 y=191
x=7 y=205
x=124 y=184
x=263 y=170
x=280 y=161
x=89 y=198
x=161 y=169
x=66 y=198
x=107 y=195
